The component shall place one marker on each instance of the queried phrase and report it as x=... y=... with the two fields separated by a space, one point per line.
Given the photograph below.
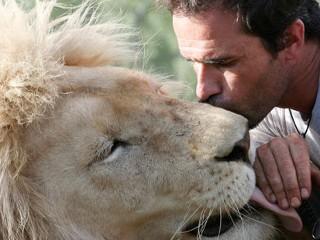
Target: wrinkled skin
x=120 y=160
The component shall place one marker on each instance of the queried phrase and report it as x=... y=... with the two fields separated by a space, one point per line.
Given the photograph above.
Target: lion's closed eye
x=117 y=144
x=106 y=150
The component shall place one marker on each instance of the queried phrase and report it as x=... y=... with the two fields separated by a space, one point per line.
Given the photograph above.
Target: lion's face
x=120 y=160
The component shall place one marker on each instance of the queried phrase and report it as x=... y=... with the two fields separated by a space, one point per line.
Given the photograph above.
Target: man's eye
x=219 y=63
x=222 y=63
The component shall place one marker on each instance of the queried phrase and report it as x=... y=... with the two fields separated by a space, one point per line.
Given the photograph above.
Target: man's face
x=234 y=70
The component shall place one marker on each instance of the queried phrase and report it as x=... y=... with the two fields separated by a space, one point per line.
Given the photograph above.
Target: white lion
x=91 y=150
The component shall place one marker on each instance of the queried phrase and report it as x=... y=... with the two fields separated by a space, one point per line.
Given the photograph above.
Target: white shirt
x=278 y=123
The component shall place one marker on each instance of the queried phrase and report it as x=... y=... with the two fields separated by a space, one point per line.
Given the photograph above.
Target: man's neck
x=305 y=78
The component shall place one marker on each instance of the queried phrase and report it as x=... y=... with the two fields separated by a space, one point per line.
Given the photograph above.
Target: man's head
x=266 y=19
x=245 y=52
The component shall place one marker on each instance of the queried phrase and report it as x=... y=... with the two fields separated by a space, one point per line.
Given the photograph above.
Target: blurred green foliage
x=161 y=51
x=160 y=54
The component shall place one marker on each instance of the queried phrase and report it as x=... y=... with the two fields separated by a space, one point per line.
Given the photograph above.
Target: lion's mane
x=33 y=51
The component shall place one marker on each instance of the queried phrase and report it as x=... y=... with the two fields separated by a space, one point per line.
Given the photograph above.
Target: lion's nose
x=239 y=151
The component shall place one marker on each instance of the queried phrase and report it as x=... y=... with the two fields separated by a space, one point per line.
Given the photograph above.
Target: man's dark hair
x=267 y=19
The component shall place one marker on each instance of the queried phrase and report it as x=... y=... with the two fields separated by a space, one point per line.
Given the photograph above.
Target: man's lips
x=289 y=218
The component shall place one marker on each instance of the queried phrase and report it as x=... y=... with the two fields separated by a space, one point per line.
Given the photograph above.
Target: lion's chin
x=216 y=225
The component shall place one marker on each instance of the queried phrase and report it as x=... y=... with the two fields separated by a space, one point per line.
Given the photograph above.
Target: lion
x=92 y=149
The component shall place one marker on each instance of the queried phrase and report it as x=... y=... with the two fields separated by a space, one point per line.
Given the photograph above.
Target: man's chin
x=254 y=117
x=253 y=120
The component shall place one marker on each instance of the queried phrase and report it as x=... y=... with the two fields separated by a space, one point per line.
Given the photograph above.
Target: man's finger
x=286 y=167
x=300 y=155
x=272 y=175
x=262 y=182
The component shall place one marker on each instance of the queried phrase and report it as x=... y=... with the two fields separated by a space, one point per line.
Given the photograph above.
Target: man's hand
x=283 y=170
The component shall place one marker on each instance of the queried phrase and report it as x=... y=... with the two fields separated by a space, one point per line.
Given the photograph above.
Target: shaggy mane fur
x=33 y=51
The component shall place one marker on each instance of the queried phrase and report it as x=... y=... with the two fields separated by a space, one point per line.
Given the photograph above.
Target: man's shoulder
x=276 y=124
x=275 y=118
x=277 y=114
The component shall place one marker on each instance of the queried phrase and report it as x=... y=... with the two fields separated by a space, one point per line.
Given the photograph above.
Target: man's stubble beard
x=255 y=114
x=262 y=99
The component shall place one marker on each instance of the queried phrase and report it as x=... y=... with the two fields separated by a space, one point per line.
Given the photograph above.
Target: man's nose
x=208 y=81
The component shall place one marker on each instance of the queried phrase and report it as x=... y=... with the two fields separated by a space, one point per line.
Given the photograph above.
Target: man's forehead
x=203 y=39
x=194 y=48
x=200 y=34
x=193 y=43
x=205 y=49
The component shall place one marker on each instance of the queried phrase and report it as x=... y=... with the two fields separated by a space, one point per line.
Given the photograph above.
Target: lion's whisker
x=185 y=220
x=237 y=211
x=252 y=208
x=220 y=222
x=260 y=222
x=200 y=224
x=206 y=221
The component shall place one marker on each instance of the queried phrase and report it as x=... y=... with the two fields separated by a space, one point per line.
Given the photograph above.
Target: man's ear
x=292 y=41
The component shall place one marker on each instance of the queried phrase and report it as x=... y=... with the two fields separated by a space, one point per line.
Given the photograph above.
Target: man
x=252 y=56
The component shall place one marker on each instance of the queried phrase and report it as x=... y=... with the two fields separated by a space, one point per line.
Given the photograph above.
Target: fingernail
x=284 y=204
x=295 y=202
x=273 y=198
x=304 y=193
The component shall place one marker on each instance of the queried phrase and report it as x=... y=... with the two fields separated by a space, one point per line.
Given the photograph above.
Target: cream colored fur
x=91 y=150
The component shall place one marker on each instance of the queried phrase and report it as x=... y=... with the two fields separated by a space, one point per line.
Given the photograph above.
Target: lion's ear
x=34 y=49
x=82 y=39
x=91 y=46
